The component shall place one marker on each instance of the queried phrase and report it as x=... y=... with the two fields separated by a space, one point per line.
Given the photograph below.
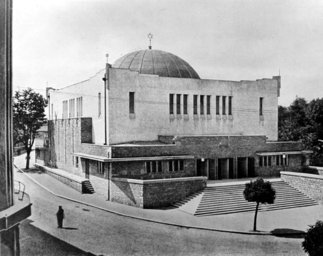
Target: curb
x=262 y=233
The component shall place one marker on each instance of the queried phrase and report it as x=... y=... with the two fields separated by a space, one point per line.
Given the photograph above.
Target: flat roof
x=131 y=159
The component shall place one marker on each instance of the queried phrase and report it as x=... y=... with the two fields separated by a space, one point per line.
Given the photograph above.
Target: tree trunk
x=27 y=159
x=255 y=220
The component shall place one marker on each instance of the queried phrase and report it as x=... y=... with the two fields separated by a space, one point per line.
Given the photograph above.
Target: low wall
x=310 y=184
x=154 y=193
x=74 y=183
x=318 y=169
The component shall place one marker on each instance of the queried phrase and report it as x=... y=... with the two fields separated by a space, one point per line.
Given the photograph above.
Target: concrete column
x=216 y=164
x=235 y=167
x=6 y=145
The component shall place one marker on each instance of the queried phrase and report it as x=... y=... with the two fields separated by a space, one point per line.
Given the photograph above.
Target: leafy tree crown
x=313 y=242
x=259 y=191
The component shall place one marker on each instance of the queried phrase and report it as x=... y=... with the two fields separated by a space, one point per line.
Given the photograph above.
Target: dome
x=156 y=62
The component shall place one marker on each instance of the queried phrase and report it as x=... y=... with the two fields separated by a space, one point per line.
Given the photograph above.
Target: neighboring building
x=14 y=203
x=154 y=121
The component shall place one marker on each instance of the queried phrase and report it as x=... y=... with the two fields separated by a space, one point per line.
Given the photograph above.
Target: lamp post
x=284 y=161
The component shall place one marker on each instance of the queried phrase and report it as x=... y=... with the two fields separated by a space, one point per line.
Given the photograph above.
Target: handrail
x=20 y=184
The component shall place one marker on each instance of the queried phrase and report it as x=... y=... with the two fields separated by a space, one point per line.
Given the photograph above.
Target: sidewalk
x=281 y=222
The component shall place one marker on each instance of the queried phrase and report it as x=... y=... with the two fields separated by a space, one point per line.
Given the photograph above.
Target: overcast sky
x=62 y=42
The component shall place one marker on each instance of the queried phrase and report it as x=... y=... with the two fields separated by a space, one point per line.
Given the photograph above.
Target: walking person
x=60 y=216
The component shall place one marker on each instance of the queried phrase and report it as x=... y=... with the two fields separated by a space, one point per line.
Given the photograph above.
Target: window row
x=69 y=108
x=157 y=166
x=202 y=104
x=278 y=160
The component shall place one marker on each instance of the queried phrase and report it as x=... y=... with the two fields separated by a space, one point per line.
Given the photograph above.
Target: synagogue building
x=148 y=131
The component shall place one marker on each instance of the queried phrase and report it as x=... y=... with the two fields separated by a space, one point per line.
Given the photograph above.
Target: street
x=88 y=230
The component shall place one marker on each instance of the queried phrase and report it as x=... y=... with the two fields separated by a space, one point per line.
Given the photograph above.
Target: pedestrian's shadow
x=69 y=228
x=288 y=233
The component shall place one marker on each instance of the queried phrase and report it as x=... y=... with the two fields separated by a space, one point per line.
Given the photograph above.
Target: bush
x=313 y=242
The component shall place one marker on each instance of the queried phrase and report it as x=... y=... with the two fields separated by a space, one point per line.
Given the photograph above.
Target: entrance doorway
x=242 y=165
x=225 y=168
x=201 y=167
x=87 y=169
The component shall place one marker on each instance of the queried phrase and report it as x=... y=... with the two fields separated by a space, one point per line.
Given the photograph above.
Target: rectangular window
x=71 y=113
x=185 y=104
x=195 y=104
x=223 y=105
x=260 y=161
x=261 y=102
x=160 y=166
x=154 y=165
x=99 y=104
x=277 y=160
x=218 y=105
x=178 y=104
x=171 y=104
x=176 y=165
x=148 y=167
x=208 y=104
x=79 y=107
x=181 y=165
x=65 y=109
x=269 y=160
x=170 y=165
x=100 y=168
x=265 y=160
x=202 y=104
x=131 y=102
x=230 y=105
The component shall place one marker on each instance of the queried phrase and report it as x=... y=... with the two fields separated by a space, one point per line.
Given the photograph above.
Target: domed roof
x=156 y=62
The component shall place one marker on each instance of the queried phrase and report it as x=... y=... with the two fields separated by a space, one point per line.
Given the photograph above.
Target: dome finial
x=150 y=36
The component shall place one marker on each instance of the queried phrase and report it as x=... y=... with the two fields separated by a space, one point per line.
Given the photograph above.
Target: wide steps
x=87 y=187
x=228 y=199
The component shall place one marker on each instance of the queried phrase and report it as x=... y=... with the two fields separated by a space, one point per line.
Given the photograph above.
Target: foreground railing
x=19 y=189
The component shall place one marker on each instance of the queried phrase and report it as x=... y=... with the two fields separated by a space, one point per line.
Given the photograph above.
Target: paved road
x=101 y=233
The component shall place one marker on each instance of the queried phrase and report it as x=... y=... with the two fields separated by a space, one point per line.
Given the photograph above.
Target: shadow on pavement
x=34 y=241
x=69 y=228
x=288 y=233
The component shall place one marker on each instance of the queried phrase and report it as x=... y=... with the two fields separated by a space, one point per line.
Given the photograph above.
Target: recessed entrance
x=225 y=168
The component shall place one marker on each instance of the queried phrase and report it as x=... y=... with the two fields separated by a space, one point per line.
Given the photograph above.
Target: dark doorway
x=225 y=168
x=251 y=167
x=242 y=167
x=212 y=175
x=231 y=176
x=87 y=169
x=201 y=167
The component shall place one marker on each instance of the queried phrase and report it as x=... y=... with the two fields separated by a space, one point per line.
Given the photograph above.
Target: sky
x=57 y=43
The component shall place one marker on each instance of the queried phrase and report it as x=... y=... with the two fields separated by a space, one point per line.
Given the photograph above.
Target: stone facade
x=310 y=184
x=154 y=193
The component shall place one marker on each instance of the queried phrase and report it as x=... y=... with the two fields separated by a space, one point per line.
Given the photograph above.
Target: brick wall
x=154 y=194
x=310 y=184
x=294 y=165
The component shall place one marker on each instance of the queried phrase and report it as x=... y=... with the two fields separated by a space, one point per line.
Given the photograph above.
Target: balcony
x=20 y=210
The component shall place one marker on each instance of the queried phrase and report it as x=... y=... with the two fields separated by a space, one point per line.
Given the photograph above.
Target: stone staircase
x=226 y=199
x=87 y=187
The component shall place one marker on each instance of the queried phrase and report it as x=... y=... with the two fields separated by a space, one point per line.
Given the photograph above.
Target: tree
x=28 y=117
x=261 y=192
x=313 y=241
x=303 y=122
